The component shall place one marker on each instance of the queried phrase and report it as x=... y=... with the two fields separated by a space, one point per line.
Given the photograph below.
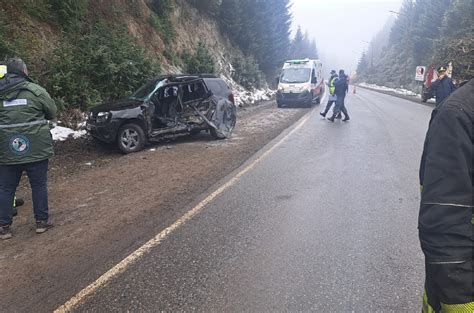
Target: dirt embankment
x=105 y=205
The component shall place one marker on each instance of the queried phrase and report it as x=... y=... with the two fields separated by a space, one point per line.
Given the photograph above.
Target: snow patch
x=400 y=91
x=60 y=133
x=244 y=97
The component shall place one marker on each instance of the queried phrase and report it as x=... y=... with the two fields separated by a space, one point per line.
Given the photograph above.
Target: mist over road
x=326 y=221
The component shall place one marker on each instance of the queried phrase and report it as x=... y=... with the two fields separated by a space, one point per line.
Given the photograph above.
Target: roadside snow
x=62 y=133
x=400 y=91
x=244 y=97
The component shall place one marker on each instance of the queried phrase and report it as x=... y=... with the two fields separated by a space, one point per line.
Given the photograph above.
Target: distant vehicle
x=165 y=107
x=426 y=92
x=300 y=82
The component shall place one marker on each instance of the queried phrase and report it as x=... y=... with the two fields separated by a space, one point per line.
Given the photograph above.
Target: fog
x=340 y=27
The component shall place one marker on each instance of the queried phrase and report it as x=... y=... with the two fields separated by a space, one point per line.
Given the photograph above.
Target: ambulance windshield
x=295 y=75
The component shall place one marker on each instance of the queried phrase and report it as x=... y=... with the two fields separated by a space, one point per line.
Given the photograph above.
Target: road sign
x=420 y=73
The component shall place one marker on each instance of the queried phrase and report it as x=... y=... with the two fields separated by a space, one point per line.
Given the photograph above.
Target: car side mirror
x=277 y=80
x=208 y=94
x=314 y=80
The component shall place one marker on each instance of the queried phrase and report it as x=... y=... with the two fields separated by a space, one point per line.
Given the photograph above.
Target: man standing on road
x=25 y=142
x=446 y=211
x=332 y=96
x=341 y=88
x=443 y=86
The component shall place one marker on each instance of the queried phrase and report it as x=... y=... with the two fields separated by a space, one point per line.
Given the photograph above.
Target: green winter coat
x=25 y=109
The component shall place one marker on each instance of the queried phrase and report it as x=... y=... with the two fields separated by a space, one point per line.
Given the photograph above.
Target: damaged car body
x=166 y=107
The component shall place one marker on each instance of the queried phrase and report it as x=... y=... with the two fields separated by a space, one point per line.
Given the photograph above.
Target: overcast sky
x=341 y=26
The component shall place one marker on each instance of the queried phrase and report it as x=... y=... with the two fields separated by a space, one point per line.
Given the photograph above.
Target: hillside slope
x=86 y=52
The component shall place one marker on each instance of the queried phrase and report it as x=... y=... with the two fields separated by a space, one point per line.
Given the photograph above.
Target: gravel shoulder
x=105 y=205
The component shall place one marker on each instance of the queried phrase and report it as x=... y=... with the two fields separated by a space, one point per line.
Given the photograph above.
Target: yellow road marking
x=155 y=241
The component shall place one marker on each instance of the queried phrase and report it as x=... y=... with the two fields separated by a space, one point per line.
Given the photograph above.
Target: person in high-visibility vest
x=446 y=219
x=332 y=97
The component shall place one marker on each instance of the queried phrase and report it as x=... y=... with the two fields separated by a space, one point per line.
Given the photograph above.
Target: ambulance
x=300 y=83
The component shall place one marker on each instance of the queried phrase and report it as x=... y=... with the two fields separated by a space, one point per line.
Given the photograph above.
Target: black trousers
x=448 y=287
x=328 y=106
x=9 y=179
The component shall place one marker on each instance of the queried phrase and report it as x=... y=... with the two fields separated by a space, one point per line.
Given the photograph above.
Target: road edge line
x=120 y=267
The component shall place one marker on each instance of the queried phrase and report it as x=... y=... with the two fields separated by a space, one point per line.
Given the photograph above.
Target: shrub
x=163 y=26
x=160 y=18
x=247 y=73
x=172 y=57
x=101 y=65
x=69 y=12
x=200 y=61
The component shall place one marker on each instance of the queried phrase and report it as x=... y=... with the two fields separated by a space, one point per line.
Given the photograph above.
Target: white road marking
x=155 y=241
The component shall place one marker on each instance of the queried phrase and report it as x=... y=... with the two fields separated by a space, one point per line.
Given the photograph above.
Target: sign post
x=420 y=73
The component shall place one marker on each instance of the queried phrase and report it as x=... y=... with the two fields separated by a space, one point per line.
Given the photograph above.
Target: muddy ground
x=105 y=205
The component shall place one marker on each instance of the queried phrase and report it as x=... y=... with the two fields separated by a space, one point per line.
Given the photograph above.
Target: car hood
x=118 y=105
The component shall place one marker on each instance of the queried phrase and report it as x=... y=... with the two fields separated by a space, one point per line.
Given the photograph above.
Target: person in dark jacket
x=443 y=86
x=25 y=143
x=446 y=209
x=341 y=88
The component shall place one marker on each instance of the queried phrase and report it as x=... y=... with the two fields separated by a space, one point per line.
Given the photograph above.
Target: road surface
x=323 y=219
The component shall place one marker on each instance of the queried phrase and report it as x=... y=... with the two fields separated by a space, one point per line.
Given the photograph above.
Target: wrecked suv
x=166 y=107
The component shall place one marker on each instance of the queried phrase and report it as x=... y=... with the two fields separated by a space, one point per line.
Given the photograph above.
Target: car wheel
x=309 y=104
x=131 y=138
x=318 y=100
x=230 y=125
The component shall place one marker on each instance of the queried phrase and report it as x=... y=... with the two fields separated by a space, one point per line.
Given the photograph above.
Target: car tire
x=131 y=138
x=309 y=104
x=218 y=136
x=318 y=100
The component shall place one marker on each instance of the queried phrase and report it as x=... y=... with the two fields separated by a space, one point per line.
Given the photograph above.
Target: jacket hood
x=9 y=82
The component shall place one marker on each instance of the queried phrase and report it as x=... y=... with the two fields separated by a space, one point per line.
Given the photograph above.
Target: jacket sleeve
x=444 y=224
x=435 y=84
x=48 y=106
x=452 y=86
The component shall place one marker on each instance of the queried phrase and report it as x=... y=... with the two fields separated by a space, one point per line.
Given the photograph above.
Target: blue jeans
x=340 y=107
x=10 y=176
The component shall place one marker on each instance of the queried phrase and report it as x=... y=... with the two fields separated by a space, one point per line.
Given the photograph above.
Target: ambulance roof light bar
x=298 y=61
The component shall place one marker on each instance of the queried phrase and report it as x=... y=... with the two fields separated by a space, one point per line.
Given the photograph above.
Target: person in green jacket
x=26 y=143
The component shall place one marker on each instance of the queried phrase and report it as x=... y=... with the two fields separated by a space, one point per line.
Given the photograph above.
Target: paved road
x=326 y=222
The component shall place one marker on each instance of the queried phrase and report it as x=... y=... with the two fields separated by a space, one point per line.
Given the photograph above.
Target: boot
x=323 y=114
x=346 y=118
x=331 y=119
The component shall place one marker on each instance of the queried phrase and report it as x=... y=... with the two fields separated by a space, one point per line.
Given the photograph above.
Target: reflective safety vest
x=332 y=88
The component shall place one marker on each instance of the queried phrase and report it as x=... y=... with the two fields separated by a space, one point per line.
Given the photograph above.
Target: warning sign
x=420 y=73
